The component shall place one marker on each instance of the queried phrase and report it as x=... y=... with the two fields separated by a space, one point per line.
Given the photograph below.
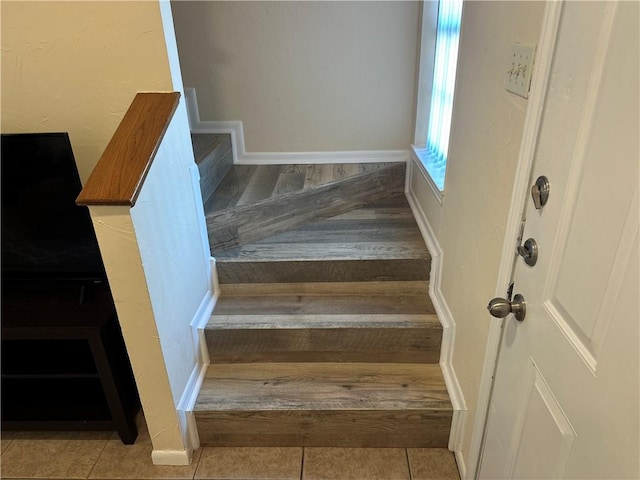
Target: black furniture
x=64 y=363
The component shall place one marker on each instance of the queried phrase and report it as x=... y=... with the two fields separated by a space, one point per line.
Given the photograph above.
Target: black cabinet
x=64 y=363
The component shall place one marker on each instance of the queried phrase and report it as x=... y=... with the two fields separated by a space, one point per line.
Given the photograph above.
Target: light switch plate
x=518 y=79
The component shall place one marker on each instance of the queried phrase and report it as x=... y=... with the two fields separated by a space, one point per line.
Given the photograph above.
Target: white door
x=566 y=395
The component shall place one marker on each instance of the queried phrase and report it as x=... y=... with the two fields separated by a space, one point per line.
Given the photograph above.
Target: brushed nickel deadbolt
x=540 y=192
x=529 y=252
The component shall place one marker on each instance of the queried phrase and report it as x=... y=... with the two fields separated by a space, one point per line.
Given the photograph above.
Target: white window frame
x=425 y=89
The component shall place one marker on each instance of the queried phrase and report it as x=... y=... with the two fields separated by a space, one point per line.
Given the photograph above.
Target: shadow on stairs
x=324 y=334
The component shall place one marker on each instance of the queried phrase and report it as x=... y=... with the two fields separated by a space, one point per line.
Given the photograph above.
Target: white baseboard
x=444 y=315
x=192 y=388
x=242 y=157
x=171 y=457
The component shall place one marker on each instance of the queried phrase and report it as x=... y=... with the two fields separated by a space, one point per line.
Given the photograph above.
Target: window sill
x=421 y=157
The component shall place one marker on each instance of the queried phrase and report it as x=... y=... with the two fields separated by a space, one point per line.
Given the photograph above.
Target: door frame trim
x=540 y=80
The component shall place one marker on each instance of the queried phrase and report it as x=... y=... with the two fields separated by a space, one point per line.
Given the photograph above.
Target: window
x=433 y=153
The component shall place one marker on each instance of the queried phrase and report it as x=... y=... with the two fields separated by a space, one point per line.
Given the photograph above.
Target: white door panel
x=566 y=400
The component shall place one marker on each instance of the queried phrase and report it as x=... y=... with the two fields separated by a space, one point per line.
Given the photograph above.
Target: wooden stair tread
x=357 y=321
x=392 y=235
x=322 y=386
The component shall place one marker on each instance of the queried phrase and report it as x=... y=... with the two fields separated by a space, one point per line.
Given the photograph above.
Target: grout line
x=200 y=455
x=406 y=452
x=104 y=447
x=304 y=449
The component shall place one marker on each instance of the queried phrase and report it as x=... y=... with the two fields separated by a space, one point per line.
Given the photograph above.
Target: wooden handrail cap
x=122 y=168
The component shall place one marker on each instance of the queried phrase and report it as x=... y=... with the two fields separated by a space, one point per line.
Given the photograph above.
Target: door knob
x=501 y=307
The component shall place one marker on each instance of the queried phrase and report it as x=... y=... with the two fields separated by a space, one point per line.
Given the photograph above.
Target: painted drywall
x=76 y=66
x=119 y=247
x=485 y=140
x=304 y=76
x=167 y=228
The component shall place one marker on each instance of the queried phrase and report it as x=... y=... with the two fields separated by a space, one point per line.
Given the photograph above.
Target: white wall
x=76 y=66
x=485 y=139
x=304 y=76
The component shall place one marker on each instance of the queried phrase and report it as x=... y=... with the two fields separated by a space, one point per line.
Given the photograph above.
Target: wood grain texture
x=324 y=305
x=327 y=288
x=322 y=386
x=280 y=213
x=324 y=338
x=261 y=185
x=321 y=428
x=122 y=168
x=331 y=249
x=290 y=180
x=214 y=158
x=324 y=404
x=338 y=239
x=231 y=189
x=232 y=271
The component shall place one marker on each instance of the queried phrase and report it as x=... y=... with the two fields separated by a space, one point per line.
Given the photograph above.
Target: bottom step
x=323 y=405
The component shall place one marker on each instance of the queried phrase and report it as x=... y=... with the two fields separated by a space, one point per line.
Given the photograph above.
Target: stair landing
x=380 y=242
x=255 y=202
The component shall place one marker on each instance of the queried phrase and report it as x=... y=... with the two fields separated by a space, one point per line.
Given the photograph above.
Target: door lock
x=501 y=307
x=529 y=252
x=540 y=192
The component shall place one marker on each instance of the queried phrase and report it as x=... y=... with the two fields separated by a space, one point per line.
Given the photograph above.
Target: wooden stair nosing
x=351 y=251
x=322 y=321
x=275 y=215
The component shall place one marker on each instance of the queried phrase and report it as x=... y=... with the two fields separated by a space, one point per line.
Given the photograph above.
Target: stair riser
x=230 y=271
x=248 y=223
x=214 y=157
x=346 y=428
x=393 y=345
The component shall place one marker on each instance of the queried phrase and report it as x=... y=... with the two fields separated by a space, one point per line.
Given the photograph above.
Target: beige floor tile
x=432 y=464
x=52 y=454
x=250 y=463
x=355 y=464
x=5 y=440
x=119 y=461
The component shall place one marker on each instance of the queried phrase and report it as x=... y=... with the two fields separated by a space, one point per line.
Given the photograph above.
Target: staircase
x=324 y=334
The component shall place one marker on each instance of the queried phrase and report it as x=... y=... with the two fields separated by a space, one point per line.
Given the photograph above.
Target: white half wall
x=469 y=223
x=304 y=76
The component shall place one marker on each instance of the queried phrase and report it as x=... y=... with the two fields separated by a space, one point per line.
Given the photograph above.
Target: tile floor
x=101 y=455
